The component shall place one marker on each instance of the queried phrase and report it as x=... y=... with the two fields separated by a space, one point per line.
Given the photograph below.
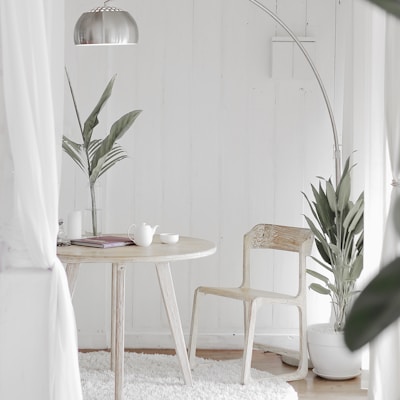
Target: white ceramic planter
x=330 y=356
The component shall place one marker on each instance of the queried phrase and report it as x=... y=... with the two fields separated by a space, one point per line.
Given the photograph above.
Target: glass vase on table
x=93 y=214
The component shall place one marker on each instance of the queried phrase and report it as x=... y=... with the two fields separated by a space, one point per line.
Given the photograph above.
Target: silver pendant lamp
x=106 y=26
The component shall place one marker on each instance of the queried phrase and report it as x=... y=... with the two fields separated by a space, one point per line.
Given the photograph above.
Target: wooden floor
x=312 y=387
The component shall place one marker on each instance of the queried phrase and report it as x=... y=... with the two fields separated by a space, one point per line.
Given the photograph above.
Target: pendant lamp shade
x=106 y=26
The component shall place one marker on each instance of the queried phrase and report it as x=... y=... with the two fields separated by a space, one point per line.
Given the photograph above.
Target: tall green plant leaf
x=345 y=172
x=312 y=208
x=352 y=213
x=344 y=192
x=324 y=211
x=357 y=267
x=331 y=195
x=338 y=233
x=323 y=250
x=116 y=155
x=96 y=156
x=356 y=220
x=316 y=232
x=92 y=121
x=74 y=151
x=118 y=129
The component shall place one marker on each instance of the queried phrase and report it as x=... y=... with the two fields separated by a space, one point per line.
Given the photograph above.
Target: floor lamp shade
x=106 y=26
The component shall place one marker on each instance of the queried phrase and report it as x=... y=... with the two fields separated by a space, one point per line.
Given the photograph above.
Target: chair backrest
x=277 y=237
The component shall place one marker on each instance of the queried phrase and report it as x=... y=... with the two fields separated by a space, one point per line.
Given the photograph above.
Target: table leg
x=171 y=306
x=118 y=326
x=113 y=313
x=72 y=271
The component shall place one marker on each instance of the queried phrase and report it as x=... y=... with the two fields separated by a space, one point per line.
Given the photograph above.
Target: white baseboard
x=209 y=341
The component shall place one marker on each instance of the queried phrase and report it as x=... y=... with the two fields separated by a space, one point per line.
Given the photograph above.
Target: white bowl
x=169 y=238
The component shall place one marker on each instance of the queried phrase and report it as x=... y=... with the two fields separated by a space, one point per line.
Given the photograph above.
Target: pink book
x=103 y=241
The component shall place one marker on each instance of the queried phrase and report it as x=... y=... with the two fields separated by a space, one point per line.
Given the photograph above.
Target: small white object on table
x=169 y=238
x=75 y=225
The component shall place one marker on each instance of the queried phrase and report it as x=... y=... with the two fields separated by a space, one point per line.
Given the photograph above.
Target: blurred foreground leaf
x=391 y=6
x=377 y=307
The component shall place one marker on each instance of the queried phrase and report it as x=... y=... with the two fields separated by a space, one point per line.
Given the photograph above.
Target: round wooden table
x=161 y=255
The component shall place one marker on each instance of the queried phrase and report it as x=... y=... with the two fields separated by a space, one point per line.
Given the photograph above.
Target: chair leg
x=303 y=359
x=246 y=310
x=250 y=324
x=302 y=369
x=193 y=330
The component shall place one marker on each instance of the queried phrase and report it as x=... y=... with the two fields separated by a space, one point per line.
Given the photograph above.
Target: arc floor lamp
x=111 y=26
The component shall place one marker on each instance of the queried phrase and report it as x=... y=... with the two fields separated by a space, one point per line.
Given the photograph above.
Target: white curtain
x=359 y=99
x=38 y=346
x=371 y=124
x=385 y=351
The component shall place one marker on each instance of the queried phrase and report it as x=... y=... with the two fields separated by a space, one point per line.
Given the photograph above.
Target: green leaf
x=327 y=216
x=357 y=267
x=359 y=218
x=92 y=120
x=352 y=213
x=344 y=192
x=93 y=146
x=326 y=266
x=331 y=195
x=335 y=249
x=311 y=206
x=345 y=172
x=360 y=243
x=323 y=250
x=375 y=308
x=74 y=151
x=317 y=275
x=332 y=288
x=319 y=289
x=74 y=102
x=314 y=230
x=118 y=129
x=120 y=126
x=114 y=156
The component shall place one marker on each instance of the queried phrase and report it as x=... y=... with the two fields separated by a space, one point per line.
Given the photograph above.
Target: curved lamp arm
x=338 y=166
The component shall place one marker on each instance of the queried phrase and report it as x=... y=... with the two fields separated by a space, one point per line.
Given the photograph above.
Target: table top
x=187 y=248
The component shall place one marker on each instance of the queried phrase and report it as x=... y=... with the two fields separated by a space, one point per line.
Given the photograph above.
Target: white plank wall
x=219 y=147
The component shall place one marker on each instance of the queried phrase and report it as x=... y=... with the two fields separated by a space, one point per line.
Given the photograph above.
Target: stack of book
x=103 y=241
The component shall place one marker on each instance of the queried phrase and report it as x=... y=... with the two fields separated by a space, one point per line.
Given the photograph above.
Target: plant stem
x=94 y=209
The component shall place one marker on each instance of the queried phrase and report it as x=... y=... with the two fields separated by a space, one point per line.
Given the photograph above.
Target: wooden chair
x=264 y=236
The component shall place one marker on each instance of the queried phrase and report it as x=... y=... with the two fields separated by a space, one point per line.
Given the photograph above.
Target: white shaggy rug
x=156 y=377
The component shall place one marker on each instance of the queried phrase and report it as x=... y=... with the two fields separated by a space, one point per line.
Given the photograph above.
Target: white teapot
x=142 y=234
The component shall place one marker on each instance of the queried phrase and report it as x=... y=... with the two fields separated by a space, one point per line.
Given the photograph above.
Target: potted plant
x=96 y=156
x=338 y=230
